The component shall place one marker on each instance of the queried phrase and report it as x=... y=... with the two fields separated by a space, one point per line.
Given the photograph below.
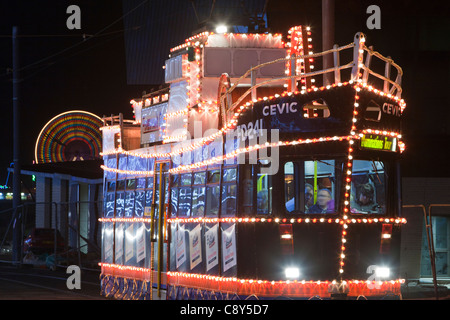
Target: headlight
x=292 y=273
x=221 y=29
x=382 y=272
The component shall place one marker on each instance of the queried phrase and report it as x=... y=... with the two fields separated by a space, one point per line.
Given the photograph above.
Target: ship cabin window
x=309 y=187
x=368 y=189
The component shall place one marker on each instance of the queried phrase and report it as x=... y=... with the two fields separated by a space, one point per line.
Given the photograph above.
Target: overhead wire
x=96 y=35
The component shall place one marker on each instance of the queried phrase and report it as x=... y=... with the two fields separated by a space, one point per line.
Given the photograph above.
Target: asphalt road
x=27 y=283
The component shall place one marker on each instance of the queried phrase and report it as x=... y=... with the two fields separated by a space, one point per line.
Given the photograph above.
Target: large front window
x=368 y=193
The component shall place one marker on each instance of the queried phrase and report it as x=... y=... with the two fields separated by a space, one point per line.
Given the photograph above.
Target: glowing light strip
x=144 y=220
x=232 y=123
x=188 y=41
x=233 y=279
x=237 y=152
x=130 y=172
x=176 y=113
x=310 y=219
x=123 y=267
x=237 y=280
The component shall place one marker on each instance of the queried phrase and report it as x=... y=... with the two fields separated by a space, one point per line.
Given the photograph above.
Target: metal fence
x=76 y=222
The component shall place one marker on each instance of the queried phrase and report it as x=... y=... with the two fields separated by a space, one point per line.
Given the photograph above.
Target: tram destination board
x=377 y=142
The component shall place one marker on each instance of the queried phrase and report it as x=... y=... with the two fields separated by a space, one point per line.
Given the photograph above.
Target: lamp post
x=17 y=226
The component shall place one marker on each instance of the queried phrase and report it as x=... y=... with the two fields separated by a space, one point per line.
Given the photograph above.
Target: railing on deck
x=359 y=50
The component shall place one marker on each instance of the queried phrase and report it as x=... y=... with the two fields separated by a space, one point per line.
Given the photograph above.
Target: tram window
x=247 y=189
x=150 y=183
x=109 y=212
x=121 y=185
x=175 y=180
x=198 y=201
x=131 y=184
x=173 y=201
x=186 y=179
x=184 y=201
x=111 y=185
x=139 y=203
x=120 y=202
x=319 y=181
x=140 y=183
x=213 y=176
x=199 y=178
x=289 y=187
x=229 y=175
x=148 y=200
x=263 y=194
x=129 y=204
x=212 y=200
x=228 y=205
x=368 y=193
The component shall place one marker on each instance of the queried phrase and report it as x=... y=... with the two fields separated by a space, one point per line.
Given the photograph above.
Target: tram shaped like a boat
x=244 y=178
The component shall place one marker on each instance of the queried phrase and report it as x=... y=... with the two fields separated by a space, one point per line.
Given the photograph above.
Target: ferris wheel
x=69 y=136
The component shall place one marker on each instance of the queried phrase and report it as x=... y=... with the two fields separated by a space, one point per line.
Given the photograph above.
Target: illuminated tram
x=244 y=178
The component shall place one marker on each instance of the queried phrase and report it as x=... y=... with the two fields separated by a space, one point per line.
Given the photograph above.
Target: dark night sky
x=92 y=74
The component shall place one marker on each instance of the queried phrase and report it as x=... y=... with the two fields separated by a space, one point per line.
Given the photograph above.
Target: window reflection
x=212 y=200
x=184 y=201
x=139 y=203
x=198 y=201
x=228 y=200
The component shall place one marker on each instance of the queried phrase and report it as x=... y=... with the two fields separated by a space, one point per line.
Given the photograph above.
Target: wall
x=419 y=191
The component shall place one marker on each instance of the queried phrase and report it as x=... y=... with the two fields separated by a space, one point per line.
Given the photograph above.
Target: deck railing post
x=337 y=72
x=293 y=73
x=387 y=75
x=253 y=84
x=357 y=55
x=367 y=65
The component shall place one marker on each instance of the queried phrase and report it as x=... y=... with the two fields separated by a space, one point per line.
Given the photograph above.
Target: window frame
x=299 y=175
x=385 y=164
x=195 y=186
x=225 y=184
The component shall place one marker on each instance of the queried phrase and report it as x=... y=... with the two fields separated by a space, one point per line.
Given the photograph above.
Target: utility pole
x=328 y=38
x=17 y=226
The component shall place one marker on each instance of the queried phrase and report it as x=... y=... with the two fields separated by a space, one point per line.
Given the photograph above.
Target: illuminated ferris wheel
x=70 y=136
